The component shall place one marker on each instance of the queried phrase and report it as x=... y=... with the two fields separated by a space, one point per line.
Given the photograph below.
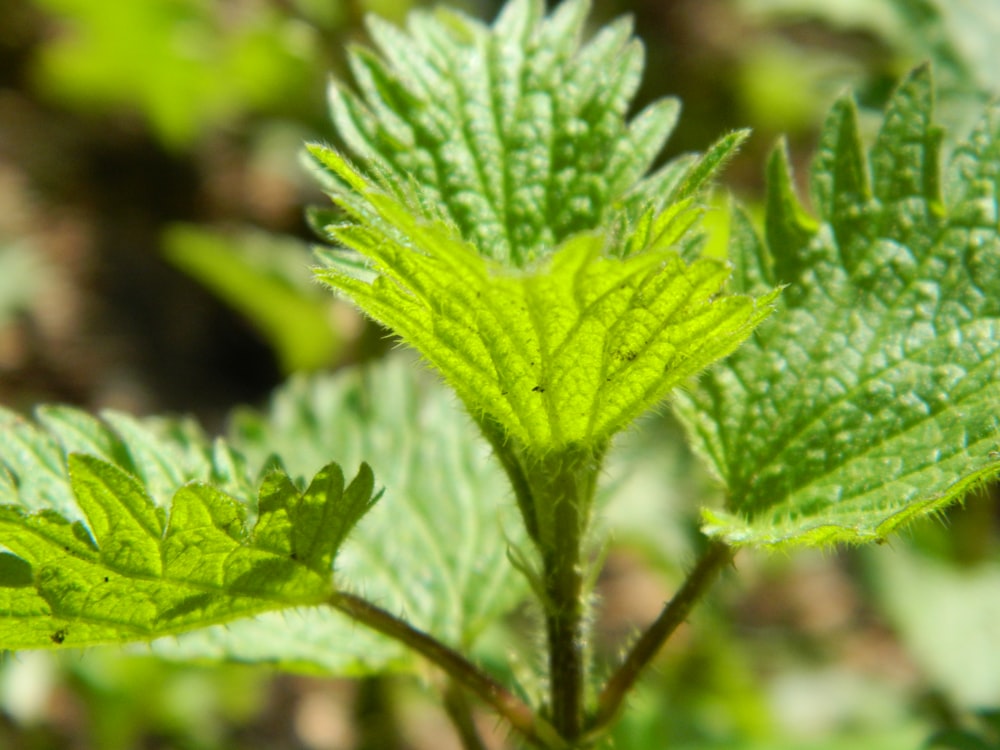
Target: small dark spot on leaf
x=106 y=579
x=58 y=637
x=538 y=389
x=294 y=556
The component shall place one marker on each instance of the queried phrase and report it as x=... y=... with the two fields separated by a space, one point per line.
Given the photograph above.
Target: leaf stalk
x=535 y=729
x=702 y=576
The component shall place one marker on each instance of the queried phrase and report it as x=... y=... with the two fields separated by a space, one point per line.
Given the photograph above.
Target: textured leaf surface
x=565 y=355
x=873 y=396
x=515 y=134
x=498 y=219
x=445 y=508
x=435 y=546
x=130 y=571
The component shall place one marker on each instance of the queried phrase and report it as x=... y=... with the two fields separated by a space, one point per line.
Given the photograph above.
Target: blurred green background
x=154 y=257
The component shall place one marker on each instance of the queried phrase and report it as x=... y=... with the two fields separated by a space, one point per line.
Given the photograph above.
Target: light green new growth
x=873 y=397
x=127 y=570
x=500 y=222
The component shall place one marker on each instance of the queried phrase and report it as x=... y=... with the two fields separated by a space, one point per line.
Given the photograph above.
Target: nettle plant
x=496 y=210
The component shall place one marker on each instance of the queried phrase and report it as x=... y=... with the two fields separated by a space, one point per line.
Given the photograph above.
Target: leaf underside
x=873 y=396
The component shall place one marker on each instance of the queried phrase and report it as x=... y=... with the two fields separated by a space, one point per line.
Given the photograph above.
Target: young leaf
x=873 y=396
x=516 y=135
x=135 y=573
x=566 y=355
x=505 y=230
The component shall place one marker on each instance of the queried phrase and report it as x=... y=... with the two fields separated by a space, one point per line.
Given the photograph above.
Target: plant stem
x=715 y=557
x=563 y=488
x=511 y=465
x=555 y=494
x=460 y=669
x=564 y=625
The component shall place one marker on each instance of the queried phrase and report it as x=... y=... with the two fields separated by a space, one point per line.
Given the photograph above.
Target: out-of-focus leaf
x=184 y=64
x=947 y=616
x=267 y=280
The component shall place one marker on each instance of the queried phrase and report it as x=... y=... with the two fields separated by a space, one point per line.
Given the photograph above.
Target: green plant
x=497 y=212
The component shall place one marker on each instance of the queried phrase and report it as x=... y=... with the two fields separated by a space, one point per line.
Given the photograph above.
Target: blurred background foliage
x=154 y=257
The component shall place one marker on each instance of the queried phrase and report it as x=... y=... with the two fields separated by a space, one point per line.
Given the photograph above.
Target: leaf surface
x=514 y=134
x=568 y=354
x=873 y=396
x=500 y=217
x=435 y=546
x=131 y=571
x=446 y=511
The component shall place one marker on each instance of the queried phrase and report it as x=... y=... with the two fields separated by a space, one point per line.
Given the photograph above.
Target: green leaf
x=162 y=453
x=435 y=546
x=176 y=62
x=446 y=508
x=567 y=355
x=499 y=222
x=515 y=134
x=135 y=573
x=267 y=280
x=872 y=398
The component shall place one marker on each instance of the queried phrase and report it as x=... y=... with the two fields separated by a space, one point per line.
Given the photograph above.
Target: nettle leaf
x=566 y=355
x=498 y=221
x=121 y=568
x=873 y=396
x=445 y=506
x=435 y=546
x=515 y=134
x=162 y=453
